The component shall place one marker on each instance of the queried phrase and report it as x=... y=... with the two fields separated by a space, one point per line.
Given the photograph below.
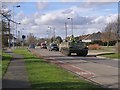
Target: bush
x=94 y=47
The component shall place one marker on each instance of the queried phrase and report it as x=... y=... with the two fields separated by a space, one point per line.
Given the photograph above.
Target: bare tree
x=5 y=27
x=31 y=38
x=110 y=32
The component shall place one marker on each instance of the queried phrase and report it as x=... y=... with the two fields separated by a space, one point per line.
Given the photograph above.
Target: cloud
x=82 y=25
x=5 y=10
x=60 y=17
x=105 y=19
x=42 y=5
x=67 y=11
x=94 y=4
x=25 y=21
x=20 y=16
x=83 y=22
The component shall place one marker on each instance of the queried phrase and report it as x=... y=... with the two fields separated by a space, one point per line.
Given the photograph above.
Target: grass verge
x=112 y=55
x=47 y=76
x=6 y=58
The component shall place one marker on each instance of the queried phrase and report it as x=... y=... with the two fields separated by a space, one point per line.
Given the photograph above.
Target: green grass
x=47 y=76
x=6 y=58
x=114 y=55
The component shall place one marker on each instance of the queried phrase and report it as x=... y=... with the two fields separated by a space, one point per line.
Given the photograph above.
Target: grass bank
x=6 y=58
x=112 y=56
x=47 y=76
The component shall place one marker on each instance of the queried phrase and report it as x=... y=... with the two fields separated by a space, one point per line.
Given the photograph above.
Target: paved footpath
x=16 y=76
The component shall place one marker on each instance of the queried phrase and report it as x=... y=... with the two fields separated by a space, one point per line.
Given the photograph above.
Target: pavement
x=98 y=70
x=16 y=75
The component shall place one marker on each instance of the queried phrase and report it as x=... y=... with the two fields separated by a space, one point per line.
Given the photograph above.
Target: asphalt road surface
x=99 y=70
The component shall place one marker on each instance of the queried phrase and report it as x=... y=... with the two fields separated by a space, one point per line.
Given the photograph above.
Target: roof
x=94 y=36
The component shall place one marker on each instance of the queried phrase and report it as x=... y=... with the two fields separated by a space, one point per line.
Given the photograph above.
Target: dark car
x=32 y=45
x=53 y=46
x=43 y=45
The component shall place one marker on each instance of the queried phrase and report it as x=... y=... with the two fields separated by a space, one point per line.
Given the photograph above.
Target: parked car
x=53 y=46
x=32 y=45
x=43 y=45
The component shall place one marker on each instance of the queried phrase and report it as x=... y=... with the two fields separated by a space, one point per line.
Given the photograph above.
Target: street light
x=71 y=24
x=49 y=27
x=54 y=33
x=18 y=6
x=52 y=36
x=13 y=26
x=16 y=28
x=17 y=33
x=66 y=29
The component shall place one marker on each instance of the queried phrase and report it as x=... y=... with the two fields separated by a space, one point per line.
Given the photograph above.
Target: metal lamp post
x=71 y=24
x=50 y=33
x=49 y=27
x=53 y=32
x=13 y=26
x=66 y=29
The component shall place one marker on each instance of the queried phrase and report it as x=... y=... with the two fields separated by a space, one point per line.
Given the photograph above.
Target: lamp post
x=66 y=29
x=16 y=28
x=71 y=24
x=9 y=33
x=52 y=36
x=54 y=33
x=13 y=26
x=49 y=27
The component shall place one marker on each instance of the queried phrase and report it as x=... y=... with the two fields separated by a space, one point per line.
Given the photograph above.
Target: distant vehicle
x=38 y=44
x=43 y=46
x=54 y=47
x=69 y=47
x=32 y=45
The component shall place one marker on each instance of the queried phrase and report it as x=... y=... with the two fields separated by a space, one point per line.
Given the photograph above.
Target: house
x=91 y=37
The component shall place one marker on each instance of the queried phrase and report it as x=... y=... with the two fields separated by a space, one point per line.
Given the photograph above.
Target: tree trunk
x=107 y=43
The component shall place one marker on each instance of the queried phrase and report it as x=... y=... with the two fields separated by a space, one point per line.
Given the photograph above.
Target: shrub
x=94 y=47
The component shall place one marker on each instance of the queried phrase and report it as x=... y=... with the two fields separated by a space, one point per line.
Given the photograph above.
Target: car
x=32 y=45
x=54 y=47
x=43 y=46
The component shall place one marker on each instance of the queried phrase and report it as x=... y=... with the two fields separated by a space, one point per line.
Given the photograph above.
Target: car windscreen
x=43 y=44
x=53 y=44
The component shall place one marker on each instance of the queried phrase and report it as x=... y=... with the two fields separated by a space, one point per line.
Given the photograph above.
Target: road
x=99 y=70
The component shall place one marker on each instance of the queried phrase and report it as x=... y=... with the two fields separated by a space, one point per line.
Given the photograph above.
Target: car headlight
x=52 y=47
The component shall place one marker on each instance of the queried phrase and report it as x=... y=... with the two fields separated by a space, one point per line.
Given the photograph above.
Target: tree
x=52 y=40
x=58 y=40
x=110 y=32
x=5 y=26
x=5 y=35
x=31 y=39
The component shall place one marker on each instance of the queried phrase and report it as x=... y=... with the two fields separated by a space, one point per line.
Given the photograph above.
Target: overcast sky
x=88 y=17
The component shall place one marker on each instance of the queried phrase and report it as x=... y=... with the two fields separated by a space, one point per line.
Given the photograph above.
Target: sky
x=42 y=18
